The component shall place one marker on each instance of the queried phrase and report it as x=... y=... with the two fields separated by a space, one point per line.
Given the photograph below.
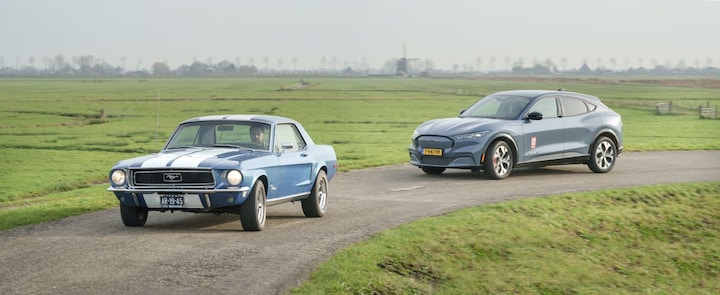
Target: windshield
x=497 y=107
x=251 y=135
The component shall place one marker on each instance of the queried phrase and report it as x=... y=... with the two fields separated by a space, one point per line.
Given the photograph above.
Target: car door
x=578 y=126
x=295 y=163
x=542 y=139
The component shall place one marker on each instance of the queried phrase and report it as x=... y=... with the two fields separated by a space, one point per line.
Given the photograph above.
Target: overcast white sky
x=445 y=32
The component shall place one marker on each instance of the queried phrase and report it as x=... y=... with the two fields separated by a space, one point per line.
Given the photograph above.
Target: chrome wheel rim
x=604 y=155
x=260 y=206
x=501 y=160
x=322 y=195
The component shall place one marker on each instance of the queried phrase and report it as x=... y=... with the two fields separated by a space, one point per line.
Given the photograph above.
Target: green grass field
x=59 y=137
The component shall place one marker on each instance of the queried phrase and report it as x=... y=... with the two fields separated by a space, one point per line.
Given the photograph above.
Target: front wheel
x=133 y=216
x=602 y=155
x=254 y=209
x=315 y=205
x=498 y=161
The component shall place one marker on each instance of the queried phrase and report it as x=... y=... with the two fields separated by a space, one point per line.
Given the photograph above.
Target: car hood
x=193 y=158
x=454 y=126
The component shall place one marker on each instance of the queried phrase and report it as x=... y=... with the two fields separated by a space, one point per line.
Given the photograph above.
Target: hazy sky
x=445 y=32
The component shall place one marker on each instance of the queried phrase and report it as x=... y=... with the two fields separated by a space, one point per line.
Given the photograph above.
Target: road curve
x=185 y=253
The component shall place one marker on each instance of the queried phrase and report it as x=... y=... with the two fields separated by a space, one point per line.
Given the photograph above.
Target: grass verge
x=656 y=239
x=56 y=206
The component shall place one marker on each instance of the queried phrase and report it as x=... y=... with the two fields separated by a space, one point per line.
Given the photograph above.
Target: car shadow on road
x=203 y=223
x=516 y=173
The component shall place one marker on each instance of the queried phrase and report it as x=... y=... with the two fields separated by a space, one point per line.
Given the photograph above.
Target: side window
x=573 y=106
x=547 y=107
x=288 y=134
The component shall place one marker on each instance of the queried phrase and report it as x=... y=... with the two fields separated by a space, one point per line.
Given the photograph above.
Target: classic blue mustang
x=521 y=128
x=227 y=164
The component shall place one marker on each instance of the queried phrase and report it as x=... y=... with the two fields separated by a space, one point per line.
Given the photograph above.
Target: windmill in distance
x=401 y=64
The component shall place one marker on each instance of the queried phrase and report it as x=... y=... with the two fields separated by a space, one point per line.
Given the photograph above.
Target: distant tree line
x=90 y=66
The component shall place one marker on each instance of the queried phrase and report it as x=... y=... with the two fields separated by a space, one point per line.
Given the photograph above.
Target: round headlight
x=118 y=177
x=234 y=177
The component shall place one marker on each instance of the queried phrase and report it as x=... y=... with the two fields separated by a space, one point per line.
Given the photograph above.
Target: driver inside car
x=257 y=136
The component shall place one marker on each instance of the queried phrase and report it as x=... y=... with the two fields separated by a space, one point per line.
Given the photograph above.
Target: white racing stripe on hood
x=159 y=161
x=193 y=160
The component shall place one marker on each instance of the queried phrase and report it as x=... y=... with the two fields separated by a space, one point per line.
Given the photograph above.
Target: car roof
x=536 y=93
x=242 y=117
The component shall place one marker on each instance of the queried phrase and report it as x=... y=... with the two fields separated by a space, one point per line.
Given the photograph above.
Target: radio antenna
x=157 y=122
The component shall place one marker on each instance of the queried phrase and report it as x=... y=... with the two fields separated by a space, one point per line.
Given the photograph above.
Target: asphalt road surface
x=184 y=253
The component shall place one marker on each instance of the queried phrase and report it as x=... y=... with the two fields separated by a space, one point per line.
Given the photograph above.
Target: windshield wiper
x=227 y=145
x=180 y=147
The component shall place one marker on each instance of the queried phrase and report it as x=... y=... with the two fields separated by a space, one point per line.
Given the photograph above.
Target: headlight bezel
x=234 y=177
x=118 y=177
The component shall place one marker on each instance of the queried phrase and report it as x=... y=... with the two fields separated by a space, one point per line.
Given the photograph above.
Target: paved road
x=185 y=253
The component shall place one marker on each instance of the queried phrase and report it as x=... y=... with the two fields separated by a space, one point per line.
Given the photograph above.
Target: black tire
x=498 y=160
x=603 y=153
x=133 y=216
x=433 y=170
x=253 y=211
x=316 y=204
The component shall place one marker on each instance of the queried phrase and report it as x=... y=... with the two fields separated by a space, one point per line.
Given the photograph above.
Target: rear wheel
x=602 y=155
x=253 y=211
x=133 y=216
x=316 y=204
x=433 y=170
x=498 y=160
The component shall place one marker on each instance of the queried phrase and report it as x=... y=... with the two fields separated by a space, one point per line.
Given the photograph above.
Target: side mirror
x=534 y=116
x=462 y=111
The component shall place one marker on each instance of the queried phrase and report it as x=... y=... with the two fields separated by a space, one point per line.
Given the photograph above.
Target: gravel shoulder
x=203 y=253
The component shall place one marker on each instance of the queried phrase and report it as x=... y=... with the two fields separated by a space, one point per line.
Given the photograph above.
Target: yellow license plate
x=432 y=152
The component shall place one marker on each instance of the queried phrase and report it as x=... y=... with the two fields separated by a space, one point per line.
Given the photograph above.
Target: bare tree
x=333 y=62
x=680 y=65
x=84 y=63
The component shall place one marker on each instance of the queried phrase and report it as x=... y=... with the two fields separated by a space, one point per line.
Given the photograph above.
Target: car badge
x=172 y=177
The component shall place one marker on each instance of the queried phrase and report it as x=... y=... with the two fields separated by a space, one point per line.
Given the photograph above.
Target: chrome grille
x=176 y=178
